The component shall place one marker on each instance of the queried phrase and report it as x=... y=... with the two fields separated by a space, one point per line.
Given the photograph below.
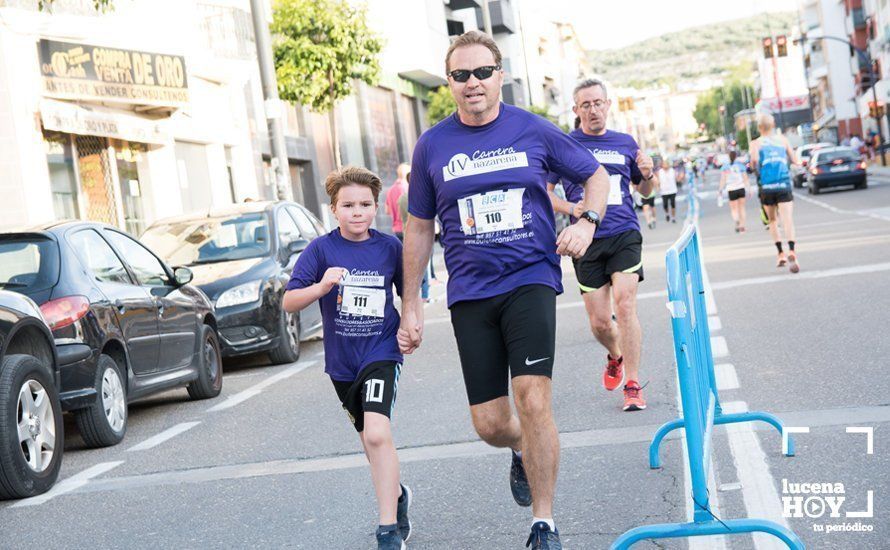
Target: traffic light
x=768 y=47
x=781 y=45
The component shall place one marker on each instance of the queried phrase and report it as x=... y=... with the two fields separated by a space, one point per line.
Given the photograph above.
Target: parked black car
x=836 y=167
x=31 y=427
x=242 y=256
x=146 y=328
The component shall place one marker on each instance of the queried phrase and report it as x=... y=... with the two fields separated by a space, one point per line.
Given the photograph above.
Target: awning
x=424 y=78
x=95 y=121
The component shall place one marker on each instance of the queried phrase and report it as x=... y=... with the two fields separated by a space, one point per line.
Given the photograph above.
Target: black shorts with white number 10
x=505 y=336
x=373 y=391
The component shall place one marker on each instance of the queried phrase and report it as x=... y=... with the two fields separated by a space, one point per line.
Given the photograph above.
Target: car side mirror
x=296 y=246
x=183 y=275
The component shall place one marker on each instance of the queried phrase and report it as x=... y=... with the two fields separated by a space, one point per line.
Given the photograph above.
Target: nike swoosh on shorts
x=530 y=363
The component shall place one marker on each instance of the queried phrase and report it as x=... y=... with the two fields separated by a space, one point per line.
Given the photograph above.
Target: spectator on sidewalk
x=403 y=213
x=399 y=188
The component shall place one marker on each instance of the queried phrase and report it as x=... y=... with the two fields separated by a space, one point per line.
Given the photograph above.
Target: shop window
x=62 y=175
x=127 y=156
x=96 y=179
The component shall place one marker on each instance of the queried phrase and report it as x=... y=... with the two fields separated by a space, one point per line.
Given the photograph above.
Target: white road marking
x=822 y=274
x=719 y=349
x=875 y=213
x=254 y=390
x=727 y=379
x=869 y=432
x=163 y=436
x=70 y=484
x=714 y=323
x=758 y=486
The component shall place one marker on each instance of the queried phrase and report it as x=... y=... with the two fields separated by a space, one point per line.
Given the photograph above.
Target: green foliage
x=99 y=5
x=707 y=108
x=316 y=41
x=707 y=50
x=441 y=105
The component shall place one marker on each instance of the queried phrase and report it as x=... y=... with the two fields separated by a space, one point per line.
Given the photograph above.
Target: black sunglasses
x=481 y=73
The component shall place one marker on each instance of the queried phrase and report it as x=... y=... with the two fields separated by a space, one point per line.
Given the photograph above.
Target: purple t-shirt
x=617 y=152
x=487 y=184
x=360 y=321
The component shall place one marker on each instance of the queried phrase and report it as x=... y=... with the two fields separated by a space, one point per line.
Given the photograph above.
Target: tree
x=441 y=105
x=321 y=47
x=707 y=107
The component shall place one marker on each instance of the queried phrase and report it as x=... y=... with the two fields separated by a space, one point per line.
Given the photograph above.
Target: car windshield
x=210 y=240
x=834 y=154
x=28 y=263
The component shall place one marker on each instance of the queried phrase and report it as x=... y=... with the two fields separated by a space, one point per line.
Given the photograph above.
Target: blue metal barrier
x=701 y=405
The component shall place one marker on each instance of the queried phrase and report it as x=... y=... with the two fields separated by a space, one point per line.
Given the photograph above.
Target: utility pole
x=271 y=104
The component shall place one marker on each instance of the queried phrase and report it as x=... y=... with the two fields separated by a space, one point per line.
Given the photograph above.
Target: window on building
x=62 y=175
x=127 y=156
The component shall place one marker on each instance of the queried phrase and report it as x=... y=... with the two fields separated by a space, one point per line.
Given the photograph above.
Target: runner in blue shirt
x=771 y=157
x=352 y=271
x=612 y=268
x=483 y=171
x=734 y=179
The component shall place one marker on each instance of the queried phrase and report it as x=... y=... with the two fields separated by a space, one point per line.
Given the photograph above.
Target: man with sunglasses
x=483 y=172
x=612 y=267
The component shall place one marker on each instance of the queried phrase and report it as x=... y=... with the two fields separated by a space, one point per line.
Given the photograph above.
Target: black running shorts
x=620 y=253
x=736 y=195
x=772 y=199
x=505 y=336
x=648 y=200
x=373 y=391
x=669 y=201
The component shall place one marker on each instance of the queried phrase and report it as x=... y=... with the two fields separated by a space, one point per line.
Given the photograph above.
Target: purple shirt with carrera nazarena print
x=487 y=184
x=617 y=152
x=360 y=321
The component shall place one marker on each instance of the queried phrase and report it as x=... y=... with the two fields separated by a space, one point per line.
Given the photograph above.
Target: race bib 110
x=492 y=211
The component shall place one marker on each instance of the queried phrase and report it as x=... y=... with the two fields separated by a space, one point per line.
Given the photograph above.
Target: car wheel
x=104 y=423
x=814 y=189
x=288 y=349
x=863 y=184
x=31 y=428
x=210 y=372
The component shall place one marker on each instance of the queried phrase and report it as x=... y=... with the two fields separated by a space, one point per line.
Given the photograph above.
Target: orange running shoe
x=633 y=397
x=782 y=260
x=613 y=376
x=793 y=266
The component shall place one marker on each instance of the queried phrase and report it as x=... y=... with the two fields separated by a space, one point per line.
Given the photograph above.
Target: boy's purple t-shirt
x=487 y=184
x=360 y=321
x=617 y=152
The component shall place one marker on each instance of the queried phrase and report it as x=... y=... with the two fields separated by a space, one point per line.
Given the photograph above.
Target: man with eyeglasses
x=612 y=267
x=483 y=172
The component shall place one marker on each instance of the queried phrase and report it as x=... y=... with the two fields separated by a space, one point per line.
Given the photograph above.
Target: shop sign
x=98 y=73
x=73 y=119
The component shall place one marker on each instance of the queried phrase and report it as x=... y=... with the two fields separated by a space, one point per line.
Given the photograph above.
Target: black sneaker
x=390 y=539
x=522 y=493
x=402 y=513
x=542 y=538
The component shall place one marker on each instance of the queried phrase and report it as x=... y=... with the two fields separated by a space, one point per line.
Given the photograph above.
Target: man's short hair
x=352 y=175
x=766 y=120
x=471 y=38
x=589 y=83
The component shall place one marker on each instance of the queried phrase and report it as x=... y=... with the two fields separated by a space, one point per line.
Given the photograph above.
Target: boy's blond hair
x=352 y=175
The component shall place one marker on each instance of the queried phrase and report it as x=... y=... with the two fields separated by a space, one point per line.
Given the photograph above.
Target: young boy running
x=351 y=271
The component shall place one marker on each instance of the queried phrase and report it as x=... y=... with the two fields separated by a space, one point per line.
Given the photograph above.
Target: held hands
x=645 y=164
x=574 y=239
x=332 y=278
x=410 y=332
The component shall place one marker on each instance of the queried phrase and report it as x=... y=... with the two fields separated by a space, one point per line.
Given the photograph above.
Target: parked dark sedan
x=836 y=167
x=146 y=328
x=30 y=415
x=242 y=256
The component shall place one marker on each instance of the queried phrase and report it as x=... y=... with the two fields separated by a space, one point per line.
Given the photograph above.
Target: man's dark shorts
x=772 y=199
x=620 y=253
x=373 y=391
x=505 y=336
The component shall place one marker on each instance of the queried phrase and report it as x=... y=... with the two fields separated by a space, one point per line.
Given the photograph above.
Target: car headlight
x=241 y=294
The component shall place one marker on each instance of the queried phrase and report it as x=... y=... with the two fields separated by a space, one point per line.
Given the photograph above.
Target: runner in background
x=667 y=184
x=734 y=178
x=771 y=156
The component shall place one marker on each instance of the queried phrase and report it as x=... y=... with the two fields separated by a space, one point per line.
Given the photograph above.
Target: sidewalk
x=876 y=170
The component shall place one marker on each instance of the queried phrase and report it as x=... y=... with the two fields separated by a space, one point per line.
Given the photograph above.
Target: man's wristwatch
x=592 y=217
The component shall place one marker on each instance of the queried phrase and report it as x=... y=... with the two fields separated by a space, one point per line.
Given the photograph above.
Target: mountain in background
x=704 y=51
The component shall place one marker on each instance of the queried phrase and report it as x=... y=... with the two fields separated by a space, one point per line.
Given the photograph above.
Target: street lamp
x=871 y=71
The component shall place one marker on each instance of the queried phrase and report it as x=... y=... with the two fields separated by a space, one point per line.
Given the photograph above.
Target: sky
x=629 y=21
